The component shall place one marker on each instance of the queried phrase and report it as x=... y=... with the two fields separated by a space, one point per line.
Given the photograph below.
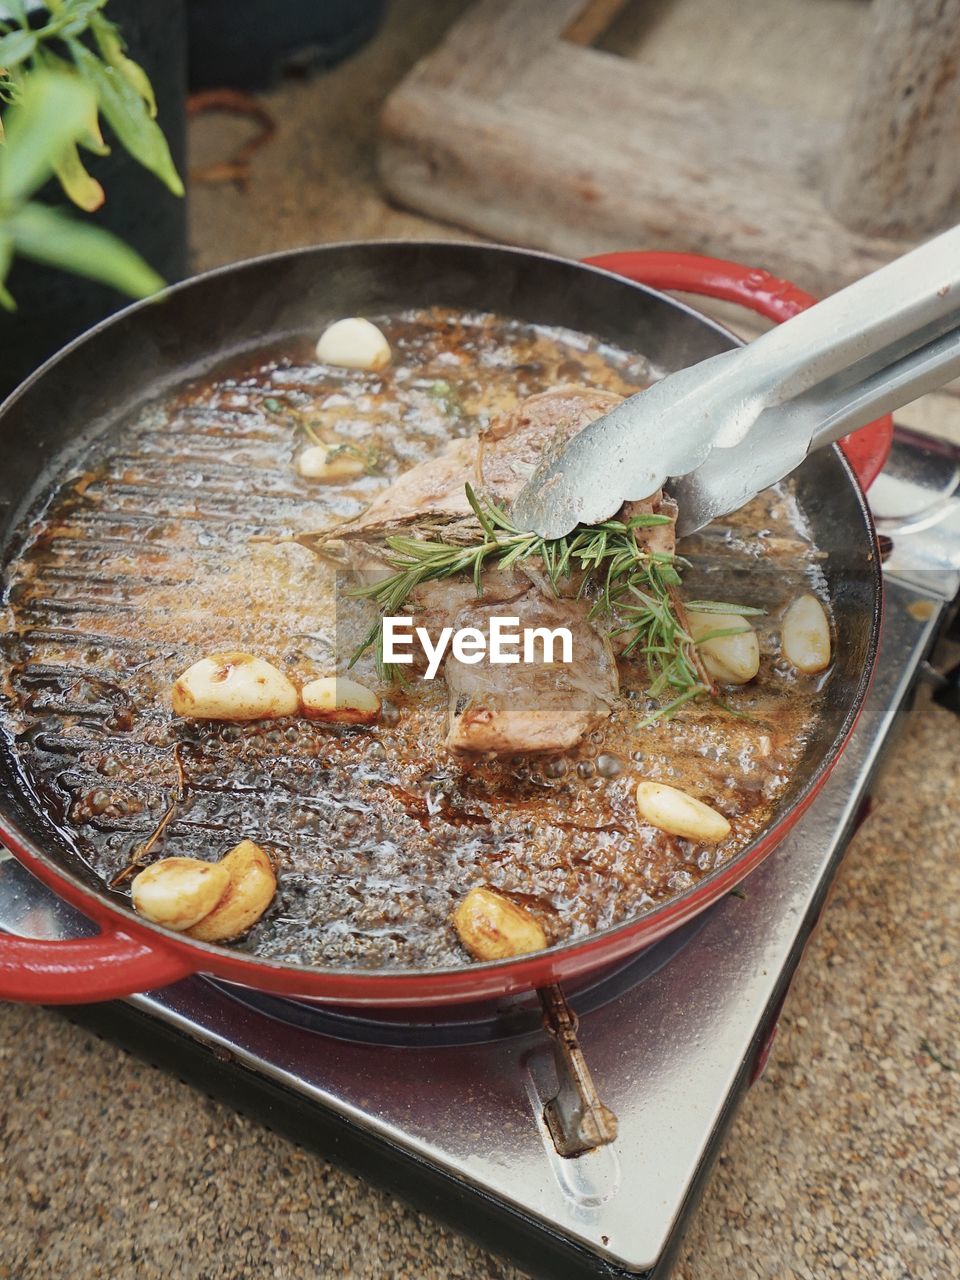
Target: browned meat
x=438 y=603
x=432 y=488
x=659 y=538
x=511 y=449
x=527 y=707
x=531 y=707
x=498 y=463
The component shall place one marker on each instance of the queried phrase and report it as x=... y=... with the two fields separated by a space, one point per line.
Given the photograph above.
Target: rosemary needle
x=634 y=587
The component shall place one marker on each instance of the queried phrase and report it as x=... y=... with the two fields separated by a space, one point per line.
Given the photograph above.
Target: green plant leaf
x=83 y=8
x=6 y=257
x=92 y=138
x=85 y=191
x=111 y=46
x=17 y=10
x=74 y=17
x=41 y=125
x=16 y=48
x=46 y=235
x=128 y=116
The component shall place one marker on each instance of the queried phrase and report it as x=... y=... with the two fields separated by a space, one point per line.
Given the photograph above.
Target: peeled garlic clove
x=731 y=659
x=493 y=927
x=328 y=465
x=179 y=892
x=234 y=686
x=354 y=344
x=340 y=701
x=674 y=811
x=251 y=885
x=805 y=636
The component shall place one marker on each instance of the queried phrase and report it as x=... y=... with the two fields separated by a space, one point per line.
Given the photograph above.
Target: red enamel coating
x=130 y=955
x=86 y=970
x=867 y=449
x=118 y=961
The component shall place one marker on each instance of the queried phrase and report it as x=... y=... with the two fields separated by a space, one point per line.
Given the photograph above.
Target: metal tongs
x=720 y=432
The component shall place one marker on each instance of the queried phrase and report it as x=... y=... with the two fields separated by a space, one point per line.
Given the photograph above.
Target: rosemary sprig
x=418 y=560
x=717 y=606
x=634 y=587
x=369 y=455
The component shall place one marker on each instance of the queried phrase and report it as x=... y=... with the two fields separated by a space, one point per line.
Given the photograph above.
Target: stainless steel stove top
x=449 y=1112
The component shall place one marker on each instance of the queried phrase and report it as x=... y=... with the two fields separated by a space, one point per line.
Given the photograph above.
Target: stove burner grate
x=463 y=1024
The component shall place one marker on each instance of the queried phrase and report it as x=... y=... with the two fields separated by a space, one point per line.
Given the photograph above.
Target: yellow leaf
x=84 y=191
x=93 y=139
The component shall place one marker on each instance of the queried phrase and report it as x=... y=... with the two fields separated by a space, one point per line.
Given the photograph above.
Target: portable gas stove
x=451 y=1111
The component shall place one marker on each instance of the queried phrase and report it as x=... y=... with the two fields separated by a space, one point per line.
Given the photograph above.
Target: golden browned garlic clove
x=680 y=814
x=354 y=343
x=339 y=701
x=329 y=466
x=179 y=892
x=731 y=659
x=251 y=885
x=805 y=636
x=493 y=927
x=234 y=686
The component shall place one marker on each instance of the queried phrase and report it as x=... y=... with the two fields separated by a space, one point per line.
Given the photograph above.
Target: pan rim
x=746 y=858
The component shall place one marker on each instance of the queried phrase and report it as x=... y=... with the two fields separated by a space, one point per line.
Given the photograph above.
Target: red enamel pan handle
x=84 y=970
x=81 y=970
x=867 y=449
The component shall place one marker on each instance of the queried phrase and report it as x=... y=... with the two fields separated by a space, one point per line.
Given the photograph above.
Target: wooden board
x=514 y=130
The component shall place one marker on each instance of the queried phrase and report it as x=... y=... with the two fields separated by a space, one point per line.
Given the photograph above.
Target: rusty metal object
x=237 y=168
x=578 y=1121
